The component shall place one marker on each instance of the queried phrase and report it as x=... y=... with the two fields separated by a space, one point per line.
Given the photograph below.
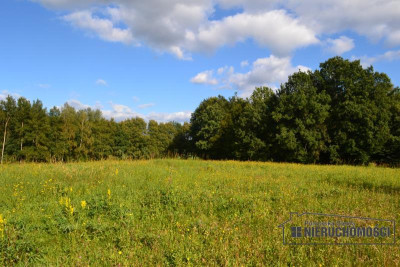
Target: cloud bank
x=269 y=71
x=181 y=27
x=121 y=112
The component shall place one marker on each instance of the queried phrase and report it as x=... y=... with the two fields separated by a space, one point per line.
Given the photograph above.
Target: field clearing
x=185 y=212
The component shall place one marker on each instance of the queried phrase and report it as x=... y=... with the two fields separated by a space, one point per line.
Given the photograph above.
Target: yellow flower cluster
x=66 y=201
x=2 y=224
x=83 y=204
x=48 y=185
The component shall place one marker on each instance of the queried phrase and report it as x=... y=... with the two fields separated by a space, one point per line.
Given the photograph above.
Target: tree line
x=340 y=113
x=30 y=133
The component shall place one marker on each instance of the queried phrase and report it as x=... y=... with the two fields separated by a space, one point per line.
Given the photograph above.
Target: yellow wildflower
x=109 y=193
x=83 y=204
x=67 y=202
x=2 y=223
x=71 y=210
x=116 y=171
x=120 y=252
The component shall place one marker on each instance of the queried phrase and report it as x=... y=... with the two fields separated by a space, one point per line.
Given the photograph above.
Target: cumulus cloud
x=5 y=93
x=181 y=27
x=101 y=82
x=104 y=28
x=163 y=25
x=181 y=116
x=205 y=77
x=387 y=56
x=121 y=112
x=379 y=19
x=340 y=45
x=394 y=38
x=179 y=53
x=77 y=104
x=273 y=29
x=269 y=71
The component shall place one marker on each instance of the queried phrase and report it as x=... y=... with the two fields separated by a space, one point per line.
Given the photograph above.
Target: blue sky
x=158 y=59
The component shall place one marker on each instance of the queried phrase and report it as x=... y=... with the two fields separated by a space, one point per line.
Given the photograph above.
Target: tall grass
x=184 y=212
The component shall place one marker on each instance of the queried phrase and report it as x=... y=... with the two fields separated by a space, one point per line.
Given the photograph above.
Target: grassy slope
x=176 y=211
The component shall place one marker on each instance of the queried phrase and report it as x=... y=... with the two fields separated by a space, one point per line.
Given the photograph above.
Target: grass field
x=177 y=212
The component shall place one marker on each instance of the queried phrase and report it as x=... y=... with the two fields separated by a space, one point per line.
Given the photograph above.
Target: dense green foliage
x=185 y=213
x=33 y=134
x=338 y=114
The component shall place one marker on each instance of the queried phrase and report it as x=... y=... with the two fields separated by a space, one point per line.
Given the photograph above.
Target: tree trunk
x=4 y=140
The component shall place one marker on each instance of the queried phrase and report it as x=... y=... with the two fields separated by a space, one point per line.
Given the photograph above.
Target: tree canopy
x=340 y=113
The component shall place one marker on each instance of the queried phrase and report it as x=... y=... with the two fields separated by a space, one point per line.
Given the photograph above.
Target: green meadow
x=185 y=212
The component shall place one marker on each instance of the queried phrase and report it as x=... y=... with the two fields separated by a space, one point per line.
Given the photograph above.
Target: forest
x=340 y=113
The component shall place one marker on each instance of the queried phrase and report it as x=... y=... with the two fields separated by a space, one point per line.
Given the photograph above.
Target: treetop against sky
x=158 y=59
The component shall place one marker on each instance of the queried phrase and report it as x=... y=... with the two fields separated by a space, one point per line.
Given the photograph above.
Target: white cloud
x=221 y=70
x=77 y=104
x=162 y=25
x=387 y=56
x=101 y=82
x=340 y=45
x=376 y=19
x=121 y=112
x=165 y=117
x=179 y=53
x=180 y=27
x=146 y=105
x=5 y=93
x=104 y=28
x=270 y=71
x=394 y=38
x=273 y=29
x=205 y=77
x=135 y=99
x=250 y=6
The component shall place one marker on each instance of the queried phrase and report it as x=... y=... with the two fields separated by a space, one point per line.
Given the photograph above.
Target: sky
x=158 y=59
